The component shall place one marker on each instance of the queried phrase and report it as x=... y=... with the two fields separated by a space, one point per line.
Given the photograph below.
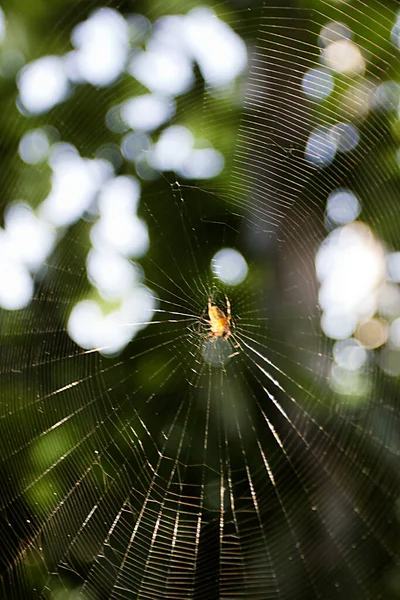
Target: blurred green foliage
x=55 y=395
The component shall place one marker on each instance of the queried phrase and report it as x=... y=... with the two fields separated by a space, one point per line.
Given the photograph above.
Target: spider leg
x=228 y=308
x=234 y=343
x=201 y=321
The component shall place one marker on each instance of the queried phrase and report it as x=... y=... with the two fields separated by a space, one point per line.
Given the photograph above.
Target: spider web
x=180 y=466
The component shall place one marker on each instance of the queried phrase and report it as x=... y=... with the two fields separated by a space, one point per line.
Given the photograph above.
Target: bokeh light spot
x=229 y=266
x=34 y=147
x=163 y=71
x=219 y=51
x=389 y=300
x=348 y=383
x=343 y=56
x=395 y=332
x=42 y=84
x=75 y=181
x=217 y=352
x=203 y=164
x=321 y=147
x=395 y=33
x=346 y=136
x=16 y=285
x=172 y=149
x=389 y=361
x=393 y=266
x=147 y=112
x=102 y=48
x=349 y=354
x=30 y=239
x=372 y=333
x=386 y=96
x=342 y=207
x=317 y=84
x=2 y=26
x=119 y=229
x=350 y=265
x=134 y=145
x=338 y=326
x=112 y=274
x=333 y=32
x=110 y=333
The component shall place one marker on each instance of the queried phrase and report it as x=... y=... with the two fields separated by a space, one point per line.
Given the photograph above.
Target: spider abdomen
x=219 y=323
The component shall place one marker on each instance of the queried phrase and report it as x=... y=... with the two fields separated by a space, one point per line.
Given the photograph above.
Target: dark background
x=159 y=472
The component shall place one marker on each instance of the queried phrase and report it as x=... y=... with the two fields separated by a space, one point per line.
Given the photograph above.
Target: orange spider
x=219 y=323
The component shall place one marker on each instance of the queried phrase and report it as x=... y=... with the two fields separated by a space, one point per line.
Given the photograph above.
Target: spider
x=219 y=323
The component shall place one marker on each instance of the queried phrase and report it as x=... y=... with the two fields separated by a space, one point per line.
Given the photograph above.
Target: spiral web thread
x=188 y=467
